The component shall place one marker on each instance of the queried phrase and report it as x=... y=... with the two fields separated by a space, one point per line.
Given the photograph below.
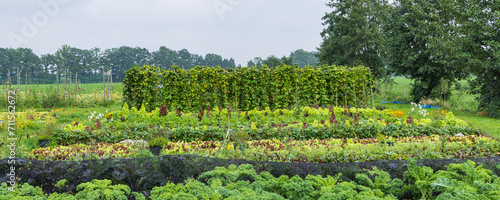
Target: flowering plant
x=419 y=109
x=95 y=117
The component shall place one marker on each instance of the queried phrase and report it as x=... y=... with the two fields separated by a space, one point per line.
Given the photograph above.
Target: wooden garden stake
x=18 y=80
x=58 y=81
x=104 y=83
x=10 y=82
x=371 y=91
x=364 y=94
x=373 y=101
x=109 y=87
x=111 y=75
x=76 y=84
x=69 y=88
x=65 y=75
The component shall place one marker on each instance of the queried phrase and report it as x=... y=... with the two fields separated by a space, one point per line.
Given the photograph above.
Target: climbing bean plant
x=246 y=88
x=141 y=86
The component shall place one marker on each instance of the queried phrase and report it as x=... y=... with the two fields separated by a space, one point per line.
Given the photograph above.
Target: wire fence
x=47 y=78
x=68 y=87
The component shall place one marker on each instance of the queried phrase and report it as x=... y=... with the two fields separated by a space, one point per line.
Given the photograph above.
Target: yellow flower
x=398 y=113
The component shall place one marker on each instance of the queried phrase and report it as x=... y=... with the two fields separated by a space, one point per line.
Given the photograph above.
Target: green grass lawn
x=490 y=125
x=90 y=87
x=460 y=100
x=463 y=105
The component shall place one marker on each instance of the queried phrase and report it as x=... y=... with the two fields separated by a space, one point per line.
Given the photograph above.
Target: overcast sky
x=241 y=29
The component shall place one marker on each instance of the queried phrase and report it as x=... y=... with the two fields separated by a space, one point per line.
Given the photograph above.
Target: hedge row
x=246 y=88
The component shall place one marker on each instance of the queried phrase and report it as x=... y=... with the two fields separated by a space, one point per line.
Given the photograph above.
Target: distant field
x=88 y=95
x=91 y=87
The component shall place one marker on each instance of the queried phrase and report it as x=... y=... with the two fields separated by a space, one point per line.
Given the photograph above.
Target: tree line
x=91 y=61
x=299 y=57
x=435 y=43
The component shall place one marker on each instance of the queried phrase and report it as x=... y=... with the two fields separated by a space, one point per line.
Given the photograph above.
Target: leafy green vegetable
x=459 y=181
x=102 y=189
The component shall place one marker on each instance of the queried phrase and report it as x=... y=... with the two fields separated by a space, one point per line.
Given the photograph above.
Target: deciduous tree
x=353 y=34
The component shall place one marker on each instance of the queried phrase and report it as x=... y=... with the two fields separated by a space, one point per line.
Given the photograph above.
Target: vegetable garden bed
x=303 y=141
x=302 y=151
x=299 y=124
x=166 y=177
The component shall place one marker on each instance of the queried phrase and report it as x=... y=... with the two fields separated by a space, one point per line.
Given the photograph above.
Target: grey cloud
x=254 y=28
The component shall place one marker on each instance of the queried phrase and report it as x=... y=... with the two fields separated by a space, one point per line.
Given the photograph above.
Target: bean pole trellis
x=247 y=88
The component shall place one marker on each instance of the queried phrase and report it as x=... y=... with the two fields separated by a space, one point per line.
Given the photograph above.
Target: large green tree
x=48 y=63
x=228 y=63
x=123 y=58
x=213 y=60
x=480 y=49
x=4 y=64
x=287 y=60
x=257 y=61
x=303 y=58
x=272 y=61
x=185 y=58
x=250 y=63
x=423 y=44
x=26 y=61
x=66 y=58
x=198 y=60
x=353 y=34
x=75 y=60
x=164 y=57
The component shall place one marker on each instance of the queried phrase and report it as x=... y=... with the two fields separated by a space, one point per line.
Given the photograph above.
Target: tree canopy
x=353 y=34
x=91 y=61
x=433 y=42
